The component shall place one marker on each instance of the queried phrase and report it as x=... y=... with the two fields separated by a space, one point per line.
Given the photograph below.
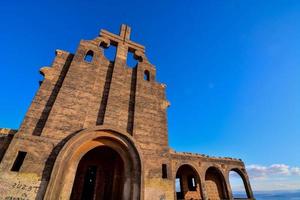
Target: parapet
x=205 y=156
x=7 y=131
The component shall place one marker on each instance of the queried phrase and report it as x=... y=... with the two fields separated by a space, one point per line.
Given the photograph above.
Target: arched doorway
x=99 y=176
x=215 y=184
x=238 y=185
x=187 y=183
x=80 y=150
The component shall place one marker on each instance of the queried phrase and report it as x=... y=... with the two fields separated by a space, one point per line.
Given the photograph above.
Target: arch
x=131 y=60
x=110 y=53
x=239 y=174
x=65 y=166
x=187 y=183
x=89 y=56
x=215 y=184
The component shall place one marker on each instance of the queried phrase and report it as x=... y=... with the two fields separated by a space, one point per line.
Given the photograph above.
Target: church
x=97 y=130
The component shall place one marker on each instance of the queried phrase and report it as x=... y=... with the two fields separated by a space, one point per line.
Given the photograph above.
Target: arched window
x=146 y=75
x=89 y=56
x=237 y=184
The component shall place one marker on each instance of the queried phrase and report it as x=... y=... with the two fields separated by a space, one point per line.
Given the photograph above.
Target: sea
x=277 y=195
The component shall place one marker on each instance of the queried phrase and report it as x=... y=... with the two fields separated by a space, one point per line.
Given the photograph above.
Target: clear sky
x=232 y=70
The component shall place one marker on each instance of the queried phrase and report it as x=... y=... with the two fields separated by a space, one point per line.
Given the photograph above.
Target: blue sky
x=232 y=69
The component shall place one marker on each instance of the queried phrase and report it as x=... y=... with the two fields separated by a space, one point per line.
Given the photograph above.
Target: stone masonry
x=97 y=129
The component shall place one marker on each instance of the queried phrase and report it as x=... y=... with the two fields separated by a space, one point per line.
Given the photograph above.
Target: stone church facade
x=97 y=129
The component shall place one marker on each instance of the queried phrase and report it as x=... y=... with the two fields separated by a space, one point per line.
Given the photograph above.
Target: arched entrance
x=99 y=176
x=116 y=171
x=187 y=183
x=215 y=184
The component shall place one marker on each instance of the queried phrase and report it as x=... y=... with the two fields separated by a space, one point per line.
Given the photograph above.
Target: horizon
x=232 y=72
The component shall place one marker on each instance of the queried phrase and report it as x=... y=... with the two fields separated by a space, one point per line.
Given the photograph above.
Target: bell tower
x=78 y=93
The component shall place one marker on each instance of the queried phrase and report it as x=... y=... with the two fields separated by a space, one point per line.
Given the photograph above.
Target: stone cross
x=123 y=39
